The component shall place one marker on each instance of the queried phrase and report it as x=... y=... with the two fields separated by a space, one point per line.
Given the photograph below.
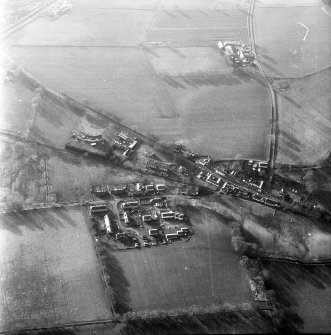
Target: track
x=274 y=107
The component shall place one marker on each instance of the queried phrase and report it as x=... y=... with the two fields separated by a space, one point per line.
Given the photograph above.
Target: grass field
x=304 y=294
x=202 y=272
x=298 y=53
x=49 y=270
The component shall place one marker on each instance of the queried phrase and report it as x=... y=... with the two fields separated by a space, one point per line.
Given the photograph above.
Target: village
x=197 y=174
x=165 y=167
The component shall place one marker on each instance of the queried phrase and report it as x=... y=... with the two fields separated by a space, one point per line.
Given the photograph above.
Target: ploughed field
x=49 y=270
x=203 y=271
x=157 y=69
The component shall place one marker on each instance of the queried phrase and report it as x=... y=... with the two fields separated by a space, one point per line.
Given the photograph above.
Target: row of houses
x=184 y=231
x=180 y=233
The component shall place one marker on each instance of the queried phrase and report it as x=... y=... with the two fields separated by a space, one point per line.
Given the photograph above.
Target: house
x=171 y=237
x=107 y=224
x=130 y=205
x=126 y=153
x=121 y=236
x=179 y=216
x=153 y=232
x=124 y=137
x=228 y=50
x=118 y=190
x=263 y=165
x=203 y=161
x=223 y=187
x=257 y=197
x=140 y=187
x=126 y=217
x=100 y=190
x=149 y=188
x=202 y=175
x=183 y=171
x=272 y=203
x=257 y=186
x=189 y=190
x=160 y=187
x=133 y=144
x=97 y=209
x=152 y=201
x=168 y=215
x=219 y=172
x=211 y=179
x=146 y=218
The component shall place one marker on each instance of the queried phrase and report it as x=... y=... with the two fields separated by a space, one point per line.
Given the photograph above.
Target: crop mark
x=307 y=30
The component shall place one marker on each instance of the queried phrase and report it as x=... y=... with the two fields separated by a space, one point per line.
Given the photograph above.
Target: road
x=274 y=107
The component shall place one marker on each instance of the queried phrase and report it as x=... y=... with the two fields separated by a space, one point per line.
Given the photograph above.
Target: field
x=16 y=107
x=290 y=236
x=304 y=120
x=49 y=270
x=155 y=67
x=305 y=126
x=275 y=232
x=304 y=293
x=26 y=168
x=202 y=272
x=298 y=54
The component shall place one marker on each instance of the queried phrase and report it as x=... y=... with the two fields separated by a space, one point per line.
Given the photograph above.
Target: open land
x=284 y=235
x=298 y=54
x=16 y=103
x=275 y=234
x=26 y=170
x=155 y=66
x=203 y=271
x=304 y=110
x=304 y=120
x=162 y=79
x=303 y=293
x=49 y=270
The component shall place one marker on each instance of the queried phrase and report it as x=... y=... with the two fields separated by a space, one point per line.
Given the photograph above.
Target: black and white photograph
x=165 y=167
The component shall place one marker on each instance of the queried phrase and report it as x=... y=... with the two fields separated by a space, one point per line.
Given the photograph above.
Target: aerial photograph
x=165 y=167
